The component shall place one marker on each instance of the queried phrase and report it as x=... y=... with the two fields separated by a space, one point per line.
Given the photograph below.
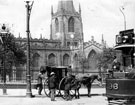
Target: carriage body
x=60 y=73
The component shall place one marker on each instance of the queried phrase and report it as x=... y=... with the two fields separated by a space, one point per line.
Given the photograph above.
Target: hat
x=52 y=73
x=69 y=66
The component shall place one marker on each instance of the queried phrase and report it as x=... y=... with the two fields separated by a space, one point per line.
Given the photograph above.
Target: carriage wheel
x=47 y=91
x=61 y=90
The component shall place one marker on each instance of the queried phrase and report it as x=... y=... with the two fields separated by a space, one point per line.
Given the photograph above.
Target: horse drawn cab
x=121 y=84
x=60 y=72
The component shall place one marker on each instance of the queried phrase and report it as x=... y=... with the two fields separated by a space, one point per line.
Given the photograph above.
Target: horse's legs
x=78 y=93
x=89 y=89
x=75 y=93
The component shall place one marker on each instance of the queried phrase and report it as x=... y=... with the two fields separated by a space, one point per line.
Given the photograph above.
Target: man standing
x=116 y=65
x=70 y=69
x=52 y=85
x=39 y=85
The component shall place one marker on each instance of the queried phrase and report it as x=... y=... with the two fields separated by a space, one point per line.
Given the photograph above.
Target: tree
x=105 y=58
x=11 y=52
x=83 y=63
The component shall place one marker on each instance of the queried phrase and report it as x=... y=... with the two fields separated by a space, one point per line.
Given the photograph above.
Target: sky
x=100 y=17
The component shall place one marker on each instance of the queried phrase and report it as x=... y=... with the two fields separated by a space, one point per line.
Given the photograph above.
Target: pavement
x=22 y=92
x=18 y=97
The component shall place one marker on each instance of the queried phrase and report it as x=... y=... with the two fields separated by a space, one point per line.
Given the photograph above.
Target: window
x=56 y=25
x=66 y=60
x=71 y=25
x=51 y=60
x=35 y=61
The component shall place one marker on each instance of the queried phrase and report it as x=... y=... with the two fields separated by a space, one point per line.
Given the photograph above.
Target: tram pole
x=28 y=76
x=124 y=17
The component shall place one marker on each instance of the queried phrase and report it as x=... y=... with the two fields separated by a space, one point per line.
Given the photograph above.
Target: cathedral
x=66 y=45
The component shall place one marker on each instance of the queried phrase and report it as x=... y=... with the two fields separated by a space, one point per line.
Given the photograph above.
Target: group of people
x=52 y=83
x=116 y=67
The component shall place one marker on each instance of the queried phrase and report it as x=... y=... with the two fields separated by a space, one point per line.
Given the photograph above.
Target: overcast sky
x=98 y=16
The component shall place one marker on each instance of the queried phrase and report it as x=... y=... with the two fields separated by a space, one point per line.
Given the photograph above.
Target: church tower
x=66 y=24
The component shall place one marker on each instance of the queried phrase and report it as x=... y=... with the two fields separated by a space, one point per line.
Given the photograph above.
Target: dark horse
x=85 y=81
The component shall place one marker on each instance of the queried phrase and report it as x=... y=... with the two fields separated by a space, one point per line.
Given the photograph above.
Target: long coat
x=39 y=78
x=52 y=82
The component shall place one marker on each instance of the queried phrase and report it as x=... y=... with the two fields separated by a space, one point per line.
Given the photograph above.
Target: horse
x=85 y=81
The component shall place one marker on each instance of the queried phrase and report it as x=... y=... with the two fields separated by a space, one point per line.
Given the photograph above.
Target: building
x=66 y=45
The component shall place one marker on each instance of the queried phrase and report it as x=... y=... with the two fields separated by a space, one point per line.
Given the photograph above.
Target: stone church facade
x=66 y=45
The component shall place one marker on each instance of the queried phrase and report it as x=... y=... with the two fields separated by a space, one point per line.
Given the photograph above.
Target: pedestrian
x=116 y=65
x=70 y=68
x=52 y=85
x=39 y=84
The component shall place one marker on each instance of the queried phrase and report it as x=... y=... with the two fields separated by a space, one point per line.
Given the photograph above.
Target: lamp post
x=58 y=37
x=28 y=76
x=123 y=16
x=3 y=36
x=72 y=37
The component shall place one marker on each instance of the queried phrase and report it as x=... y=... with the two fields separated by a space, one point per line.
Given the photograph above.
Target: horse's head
x=96 y=77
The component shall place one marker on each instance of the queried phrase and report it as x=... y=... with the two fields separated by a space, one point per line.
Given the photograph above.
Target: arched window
x=35 y=62
x=56 y=25
x=66 y=60
x=71 y=24
x=51 y=60
x=92 y=60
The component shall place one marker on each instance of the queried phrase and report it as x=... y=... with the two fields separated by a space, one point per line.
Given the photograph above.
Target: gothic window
x=51 y=60
x=68 y=44
x=75 y=44
x=92 y=60
x=71 y=24
x=35 y=62
x=56 y=25
x=66 y=60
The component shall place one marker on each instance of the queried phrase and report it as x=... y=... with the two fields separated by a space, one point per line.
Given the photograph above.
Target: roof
x=120 y=47
x=66 y=5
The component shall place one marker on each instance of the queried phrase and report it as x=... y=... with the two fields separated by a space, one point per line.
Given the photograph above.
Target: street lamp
x=123 y=16
x=28 y=11
x=3 y=36
x=72 y=37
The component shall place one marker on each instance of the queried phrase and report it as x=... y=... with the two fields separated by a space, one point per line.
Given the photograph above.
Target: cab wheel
x=62 y=92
